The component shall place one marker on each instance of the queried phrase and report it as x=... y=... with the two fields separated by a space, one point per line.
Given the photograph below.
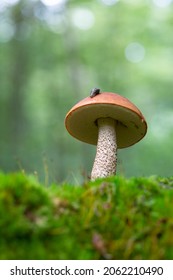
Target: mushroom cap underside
x=81 y=120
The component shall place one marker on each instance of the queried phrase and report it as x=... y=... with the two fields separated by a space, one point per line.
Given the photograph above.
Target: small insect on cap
x=94 y=92
x=81 y=120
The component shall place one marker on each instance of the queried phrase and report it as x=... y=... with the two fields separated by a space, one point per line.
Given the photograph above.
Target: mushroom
x=109 y=121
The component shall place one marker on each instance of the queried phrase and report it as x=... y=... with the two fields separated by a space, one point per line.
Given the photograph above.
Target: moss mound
x=114 y=218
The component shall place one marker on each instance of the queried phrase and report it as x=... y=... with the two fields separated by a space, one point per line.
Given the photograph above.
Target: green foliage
x=114 y=218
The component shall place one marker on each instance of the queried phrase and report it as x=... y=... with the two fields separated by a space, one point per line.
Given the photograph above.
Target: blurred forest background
x=53 y=52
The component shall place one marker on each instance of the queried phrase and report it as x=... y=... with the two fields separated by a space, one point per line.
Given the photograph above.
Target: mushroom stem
x=106 y=155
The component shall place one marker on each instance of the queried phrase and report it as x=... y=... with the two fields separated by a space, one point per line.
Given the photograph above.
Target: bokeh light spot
x=162 y=3
x=162 y=124
x=6 y=3
x=11 y=2
x=135 y=52
x=109 y=2
x=7 y=31
x=83 y=18
x=53 y=2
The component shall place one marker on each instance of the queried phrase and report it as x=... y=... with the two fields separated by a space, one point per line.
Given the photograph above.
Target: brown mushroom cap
x=81 y=120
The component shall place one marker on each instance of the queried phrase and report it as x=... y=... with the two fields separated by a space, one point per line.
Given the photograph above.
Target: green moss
x=114 y=218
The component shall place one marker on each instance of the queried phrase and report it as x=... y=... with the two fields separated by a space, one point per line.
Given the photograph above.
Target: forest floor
x=113 y=218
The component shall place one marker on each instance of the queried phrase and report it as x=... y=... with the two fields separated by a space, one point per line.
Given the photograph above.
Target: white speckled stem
x=106 y=155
